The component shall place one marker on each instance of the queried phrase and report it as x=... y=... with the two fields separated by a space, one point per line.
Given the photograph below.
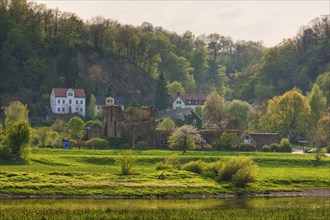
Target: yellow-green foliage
x=97 y=143
x=127 y=161
x=166 y=124
x=171 y=162
x=232 y=165
x=18 y=135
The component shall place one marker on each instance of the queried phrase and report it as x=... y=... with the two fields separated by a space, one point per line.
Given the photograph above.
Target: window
x=77 y=102
x=76 y=109
x=58 y=109
x=70 y=94
x=194 y=121
x=81 y=110
x=63 y=101
x=63 y=110
x=70 y=101
x=58 y=101
x=81 y=102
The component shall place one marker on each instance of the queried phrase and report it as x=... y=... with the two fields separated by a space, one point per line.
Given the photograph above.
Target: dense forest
x=42 y=48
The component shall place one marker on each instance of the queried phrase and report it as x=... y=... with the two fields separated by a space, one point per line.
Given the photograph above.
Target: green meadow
x=94 y=172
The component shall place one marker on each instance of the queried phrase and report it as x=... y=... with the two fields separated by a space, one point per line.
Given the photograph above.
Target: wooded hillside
x=42 y=48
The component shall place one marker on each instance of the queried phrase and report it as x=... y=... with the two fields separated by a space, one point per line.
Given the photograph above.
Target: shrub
x=97 y=143
x=24 y=152
x=232 y=165
x=213 y=169
x=5 y=152
x=171 y=162
x=274 y=148
x=246 y=147
x=245 y=175
x=266 y=148
x=320 y=152
x=285 y=146
x=127 y=161
x=194 y=166
x=227 y=141
x=142 y=144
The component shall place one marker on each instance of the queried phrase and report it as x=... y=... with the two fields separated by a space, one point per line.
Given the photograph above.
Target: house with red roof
x=181 y=101
x=68 y=101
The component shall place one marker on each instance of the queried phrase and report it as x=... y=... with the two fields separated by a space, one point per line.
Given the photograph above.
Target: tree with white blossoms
x=184 y=138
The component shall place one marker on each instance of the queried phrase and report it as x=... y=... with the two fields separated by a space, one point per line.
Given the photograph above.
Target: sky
x=267 y=21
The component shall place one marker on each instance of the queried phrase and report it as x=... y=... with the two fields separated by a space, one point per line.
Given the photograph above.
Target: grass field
x=86 y=172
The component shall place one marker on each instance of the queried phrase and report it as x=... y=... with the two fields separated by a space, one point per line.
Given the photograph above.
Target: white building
x=181 y=101
x=67 y=101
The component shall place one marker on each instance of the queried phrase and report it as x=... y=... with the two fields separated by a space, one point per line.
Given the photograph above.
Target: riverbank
x=304 y=193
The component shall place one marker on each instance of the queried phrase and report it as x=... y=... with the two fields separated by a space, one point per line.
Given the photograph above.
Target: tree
x=184 y=138
x=91 y=107
x=322 y=133
x=318 y=103
x=59 y=126
x=16 y=112
x=18 y=136
x=162 y=97
x=287 y=113
x=136 y=116
x=175 y=87
x=76 y=126
x=323 y=80
x=214 y=109
x=240 y=110
x=166 y=124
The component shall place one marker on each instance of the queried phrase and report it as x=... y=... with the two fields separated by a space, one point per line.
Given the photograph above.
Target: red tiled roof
x=191 y=97
x=61 y=92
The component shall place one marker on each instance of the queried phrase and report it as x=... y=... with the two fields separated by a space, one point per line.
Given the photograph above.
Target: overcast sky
x=269 y=21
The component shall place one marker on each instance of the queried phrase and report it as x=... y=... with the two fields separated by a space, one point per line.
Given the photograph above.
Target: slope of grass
x=57 y=171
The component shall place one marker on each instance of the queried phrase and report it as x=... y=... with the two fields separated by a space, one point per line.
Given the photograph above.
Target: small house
x=180 y=101
x=260 y=139
x=68 y=101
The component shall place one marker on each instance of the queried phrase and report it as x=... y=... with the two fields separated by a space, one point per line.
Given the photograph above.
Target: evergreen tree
x=162 y=96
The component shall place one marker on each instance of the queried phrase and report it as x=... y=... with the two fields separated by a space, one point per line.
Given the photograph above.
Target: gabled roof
x=200 y=98
x=174 y=114
x=61 y=92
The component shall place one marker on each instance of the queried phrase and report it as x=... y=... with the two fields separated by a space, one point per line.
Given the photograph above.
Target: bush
x=171 y=162
x=24 y=152
x=246 y=147
x=274 y=148
x=285 y=146
x=194 y=166
x=266 y=148
x=127 y=161
x=245 y=175
x=5 y=152
x=97 y=143
x=213 y=169
x=142 y=145
x=320 y=152
x=232 y=165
